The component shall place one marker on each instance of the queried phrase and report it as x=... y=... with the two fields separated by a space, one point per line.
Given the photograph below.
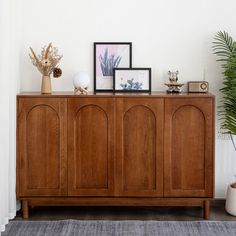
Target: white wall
x=166 y=35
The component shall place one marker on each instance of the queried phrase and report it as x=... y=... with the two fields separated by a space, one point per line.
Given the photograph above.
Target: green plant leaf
x=225 y=48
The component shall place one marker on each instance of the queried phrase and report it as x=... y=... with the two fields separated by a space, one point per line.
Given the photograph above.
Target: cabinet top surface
x=91 y=94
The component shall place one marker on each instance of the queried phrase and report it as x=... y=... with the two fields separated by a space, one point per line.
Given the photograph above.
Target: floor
x=127 y=213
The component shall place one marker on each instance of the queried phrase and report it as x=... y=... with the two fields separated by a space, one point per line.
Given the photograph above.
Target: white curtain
x=9 y=55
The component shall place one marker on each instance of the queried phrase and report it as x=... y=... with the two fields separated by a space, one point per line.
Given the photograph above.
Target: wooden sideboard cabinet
x=115 y=150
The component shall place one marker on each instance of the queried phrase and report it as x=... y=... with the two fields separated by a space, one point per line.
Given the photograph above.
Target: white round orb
x=81 y=79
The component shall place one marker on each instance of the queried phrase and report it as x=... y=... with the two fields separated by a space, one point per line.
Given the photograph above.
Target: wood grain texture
x=42 y=149
x=188 y=130
x=139 y=147
x=91 y=140
x=206 y=210
x=189 y=147
x=116 y=95
x=116 y=201
x=139 y=139
x=91 y=159
x=25 y=209
x=130 y=150
x=42 y=138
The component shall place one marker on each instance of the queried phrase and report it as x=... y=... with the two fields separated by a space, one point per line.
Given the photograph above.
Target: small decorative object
x=106 y=57
x=57 y=72
x=47 y=63
x=198 y=87
x=173 y=85
x=81 y=82
x=132 y=80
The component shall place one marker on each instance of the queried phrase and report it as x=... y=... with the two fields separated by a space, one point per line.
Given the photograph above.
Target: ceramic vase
x=230 y=205
x=46 y=84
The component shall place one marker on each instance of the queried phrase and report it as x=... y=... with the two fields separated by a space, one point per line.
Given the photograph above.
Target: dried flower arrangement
x=46 y=63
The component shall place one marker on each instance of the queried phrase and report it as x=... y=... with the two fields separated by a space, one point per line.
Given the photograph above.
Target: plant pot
x=230 y=205
x=46 y=84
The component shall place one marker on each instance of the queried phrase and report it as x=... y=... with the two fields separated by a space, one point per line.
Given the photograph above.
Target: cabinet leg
x=25 y=209
x=206 y=210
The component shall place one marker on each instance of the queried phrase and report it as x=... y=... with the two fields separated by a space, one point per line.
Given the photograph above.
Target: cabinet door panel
x=189 y=147
x=139 y=147
x=42 y=146
x=91 y=146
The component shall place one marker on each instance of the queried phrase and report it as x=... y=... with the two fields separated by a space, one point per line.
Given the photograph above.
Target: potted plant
x=225 y=48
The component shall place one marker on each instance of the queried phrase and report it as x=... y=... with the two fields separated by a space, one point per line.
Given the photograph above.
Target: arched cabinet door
x=188 y=158
x=90 y=146
x=42 y=147
x=139 y=147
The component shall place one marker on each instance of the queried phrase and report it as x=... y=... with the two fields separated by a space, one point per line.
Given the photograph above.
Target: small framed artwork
x=132 y=80
x=107 y=56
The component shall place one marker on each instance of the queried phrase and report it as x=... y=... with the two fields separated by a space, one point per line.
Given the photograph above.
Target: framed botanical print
x=132 y=80
x=107 y=56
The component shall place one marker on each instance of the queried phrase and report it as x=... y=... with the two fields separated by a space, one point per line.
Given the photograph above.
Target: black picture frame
x=134 y=90
x=126 y=63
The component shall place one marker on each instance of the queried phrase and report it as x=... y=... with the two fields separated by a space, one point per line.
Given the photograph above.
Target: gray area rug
x=124 y=228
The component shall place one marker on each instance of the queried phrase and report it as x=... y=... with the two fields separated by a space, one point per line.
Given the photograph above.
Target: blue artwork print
x=131 y=85
x=108 y=62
